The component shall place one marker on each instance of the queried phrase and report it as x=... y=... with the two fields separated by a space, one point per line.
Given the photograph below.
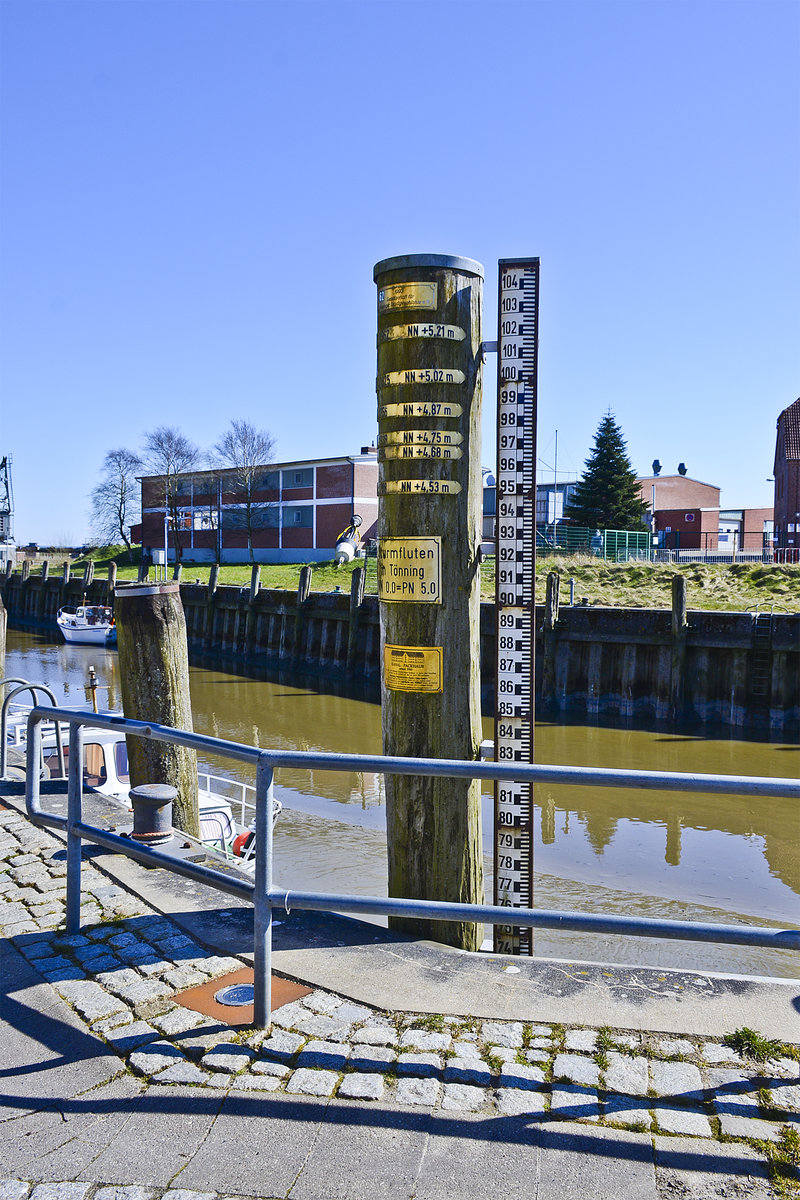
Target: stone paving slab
x=328 y=1050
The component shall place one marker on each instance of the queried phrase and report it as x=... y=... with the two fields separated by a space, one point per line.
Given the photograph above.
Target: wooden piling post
x=678 y=658
x=357 y=582
x=112 y=582
x=65 y=573
x=250 y=622
x=26 y=570
x=303 y=590
x=154 y=682
x=549 y=639
x=429 y=408
x=88 y=574
x=3 y=626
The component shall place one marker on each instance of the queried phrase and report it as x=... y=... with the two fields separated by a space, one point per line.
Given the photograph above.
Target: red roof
x=790 y=420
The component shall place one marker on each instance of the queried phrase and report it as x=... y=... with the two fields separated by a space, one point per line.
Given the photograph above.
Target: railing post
x=74 y=815
x=262 y=904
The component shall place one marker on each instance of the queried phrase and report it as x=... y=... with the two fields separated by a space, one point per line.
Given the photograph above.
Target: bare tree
x=168 y=453
x=248 y=451
x=116 y=498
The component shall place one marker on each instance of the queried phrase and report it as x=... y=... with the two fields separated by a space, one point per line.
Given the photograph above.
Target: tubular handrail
x=24 y=686
x=265 y=896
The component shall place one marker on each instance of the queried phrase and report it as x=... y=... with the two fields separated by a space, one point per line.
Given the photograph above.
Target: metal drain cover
x=237 y=995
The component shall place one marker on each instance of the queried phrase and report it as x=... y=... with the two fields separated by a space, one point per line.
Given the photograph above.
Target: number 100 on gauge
x=517 y=334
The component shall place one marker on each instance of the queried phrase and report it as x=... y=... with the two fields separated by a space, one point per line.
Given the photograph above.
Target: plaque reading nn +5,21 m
x=409 y=570
x=429 y=329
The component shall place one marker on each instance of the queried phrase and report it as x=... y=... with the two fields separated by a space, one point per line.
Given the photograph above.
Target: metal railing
x=264 y=895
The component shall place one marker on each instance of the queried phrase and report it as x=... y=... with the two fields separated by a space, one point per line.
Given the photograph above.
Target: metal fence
x=265 y=896
x=615 y=545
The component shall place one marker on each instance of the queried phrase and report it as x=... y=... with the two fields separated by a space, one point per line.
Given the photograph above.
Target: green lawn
x=726 y=587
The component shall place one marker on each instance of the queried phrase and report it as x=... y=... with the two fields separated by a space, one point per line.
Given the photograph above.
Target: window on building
x=296 y=478
x=298 y=516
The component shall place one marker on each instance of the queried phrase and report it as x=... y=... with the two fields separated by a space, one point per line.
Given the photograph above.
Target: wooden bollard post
x=429 y=410
x=65 y=573
x=303 y=591
x=177 y=571
x=357 y=582
x=250 y=619
x=678 y=659
x=211 y=602
x=88 y=574
x=3 y=625
x=43 y=589
x=26 y=570
x=549 y=639
x=154 y=682
x=112 y=582
x=9 y=568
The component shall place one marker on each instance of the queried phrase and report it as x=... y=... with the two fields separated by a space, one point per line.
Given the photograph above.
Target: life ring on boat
x=242 y=843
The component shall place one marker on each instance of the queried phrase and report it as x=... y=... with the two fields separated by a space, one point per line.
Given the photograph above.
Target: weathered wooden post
x=26 y=569
x=678 y=658
x=112 y=582
x=88 y=574
x=43 y=589
x=3 y=625
x=357 y=584
x=65 y=573
x=154 y=682
x=303 y=591
x=549 y=639
x=250 y=620
x=429 y=409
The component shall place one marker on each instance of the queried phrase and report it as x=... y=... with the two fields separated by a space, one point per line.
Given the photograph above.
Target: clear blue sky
x=194 y=194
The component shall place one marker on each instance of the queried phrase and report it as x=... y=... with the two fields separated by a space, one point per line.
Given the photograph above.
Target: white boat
x=88 y=624
x=227 y=806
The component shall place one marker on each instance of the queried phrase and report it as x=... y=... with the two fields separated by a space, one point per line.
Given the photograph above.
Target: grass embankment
x=730 y=587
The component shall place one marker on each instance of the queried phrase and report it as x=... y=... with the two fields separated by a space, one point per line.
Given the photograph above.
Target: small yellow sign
x=422 y=329
x=420 y=487
x=422 y=375
x=407 y=295
x=420 y=437
x=409 y=570
x=413 y=668
x=441 y=452
x=420 y=408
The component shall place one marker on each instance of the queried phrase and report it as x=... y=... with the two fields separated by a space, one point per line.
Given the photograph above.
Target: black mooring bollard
x=152 y=813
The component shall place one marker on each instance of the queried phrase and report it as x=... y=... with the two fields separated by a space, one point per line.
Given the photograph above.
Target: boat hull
x=89 y=635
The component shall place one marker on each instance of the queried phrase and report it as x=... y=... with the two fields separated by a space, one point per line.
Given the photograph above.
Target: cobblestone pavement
x=122 y=973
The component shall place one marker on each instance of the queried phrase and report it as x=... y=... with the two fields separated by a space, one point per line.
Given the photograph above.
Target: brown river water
x=721 y=859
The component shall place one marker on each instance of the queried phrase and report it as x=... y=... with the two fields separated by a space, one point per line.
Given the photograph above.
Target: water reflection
x=714 y=858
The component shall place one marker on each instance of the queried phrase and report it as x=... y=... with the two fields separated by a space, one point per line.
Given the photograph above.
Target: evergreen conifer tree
x=607 y=495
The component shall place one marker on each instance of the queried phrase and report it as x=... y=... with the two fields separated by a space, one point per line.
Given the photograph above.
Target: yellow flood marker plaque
x=409 y=569
x=420 y=437
x=421 y=487
x=440 y=452
x=407 y=295
x=420 y=408
x=428 y=329
x=413 y=668
x=423 y=375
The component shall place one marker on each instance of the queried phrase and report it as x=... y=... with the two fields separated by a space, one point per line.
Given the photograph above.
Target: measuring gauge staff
x=515 y=537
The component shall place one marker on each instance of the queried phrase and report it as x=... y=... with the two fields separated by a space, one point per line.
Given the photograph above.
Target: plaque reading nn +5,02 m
x=409 y=570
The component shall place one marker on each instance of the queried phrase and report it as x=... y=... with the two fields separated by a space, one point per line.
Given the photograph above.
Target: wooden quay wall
x=740 y=670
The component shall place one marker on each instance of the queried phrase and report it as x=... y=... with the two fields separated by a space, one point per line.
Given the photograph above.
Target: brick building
x=787 y=485
x=687 y=516
x=299 y=509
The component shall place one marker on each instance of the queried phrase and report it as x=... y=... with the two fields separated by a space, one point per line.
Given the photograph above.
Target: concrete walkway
x=111 y=1080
